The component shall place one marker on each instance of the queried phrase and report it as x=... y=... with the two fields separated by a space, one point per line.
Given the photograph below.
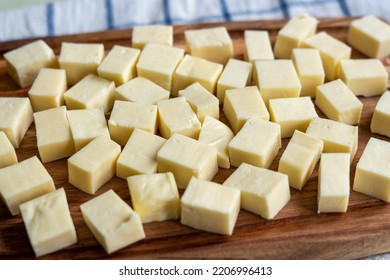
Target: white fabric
x=76 y=16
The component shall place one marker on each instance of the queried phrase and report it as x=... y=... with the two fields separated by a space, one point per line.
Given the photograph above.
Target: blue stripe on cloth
x=225 y=10
x=167 y=12
x=198 y=20
x=256 y=12
x=50 y=19
x=201 y=19
x=310 y=3
x=109 y=14
x=284 y=8
x=226 y=14
x=344 y=7
x=138 y=23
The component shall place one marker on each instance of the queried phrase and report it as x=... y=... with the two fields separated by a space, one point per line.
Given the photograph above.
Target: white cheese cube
x=217 y=135
x=48 y=89
x=370 y=35
x=185 y=158
x=54 y=138
x=7 y=151
x=176 y=116
x=48 y=223
x=86 y=125
x=263 y=192
x=93 y=165
x=292 y=113
x=257 y=45
x=194 y=69
x=237 y=74
x=277 y=79
x=372 y=175
x=308 y=65
x=299 y=158
x=24 y=63
x=213 y=44
x=293 y=33
x=159 y=34
x=139 y=154
x=80 y=60
x=126 y=116
x=339 y=103
x=113 y=223
x=142 y=91
x=91 y=92
x=333 y=183
x=16 y=116
x=337 y=137
x=210 y=207
x=241 y=104
x=155 y=196
x=158 y=62
x=367 y=77
x=24 y=181
x=332 y=51
x=202 y=102
x=257 y=143
x=381 y=117
x=119 y=65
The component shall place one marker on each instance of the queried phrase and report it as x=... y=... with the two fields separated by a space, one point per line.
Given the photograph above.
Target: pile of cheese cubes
x=163 y=131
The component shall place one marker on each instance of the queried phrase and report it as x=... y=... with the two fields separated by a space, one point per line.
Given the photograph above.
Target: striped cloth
x=75 y=16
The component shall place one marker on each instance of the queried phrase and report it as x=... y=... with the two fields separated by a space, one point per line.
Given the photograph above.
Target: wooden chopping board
x=297 y=232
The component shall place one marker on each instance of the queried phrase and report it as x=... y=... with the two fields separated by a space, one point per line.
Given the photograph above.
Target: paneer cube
x=155 y=196
x=142 y=91
x=126 y=116
x=91 y=92
x=80 y=60
x=263 y=192
x=16 y=116
x=24 y=63
x=210 y=207
x=7 y=151
x=90 y=168
x=119 y=65
x=54 y=137
x=367 y=77
x=139 y=154
x=300 y=157
x=48 y=89
x=242 y=104
x=381 y=117
x=185 y=158
x=257 y=143
x=339 y=103
x=194 y=69
x=48 y=222
x=213 y=44
x=370 y=35
x=372 y=175
x=113 y=223
x=24 y=181
x=176 y=116
x=158 y=62
x=292 y=113
x=158 y=34
x=202 y=102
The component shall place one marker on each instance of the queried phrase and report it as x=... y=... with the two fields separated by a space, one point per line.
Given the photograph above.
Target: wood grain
x=297 y=232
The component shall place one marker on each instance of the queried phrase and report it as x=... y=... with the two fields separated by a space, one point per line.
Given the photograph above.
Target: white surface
x=75 y=16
